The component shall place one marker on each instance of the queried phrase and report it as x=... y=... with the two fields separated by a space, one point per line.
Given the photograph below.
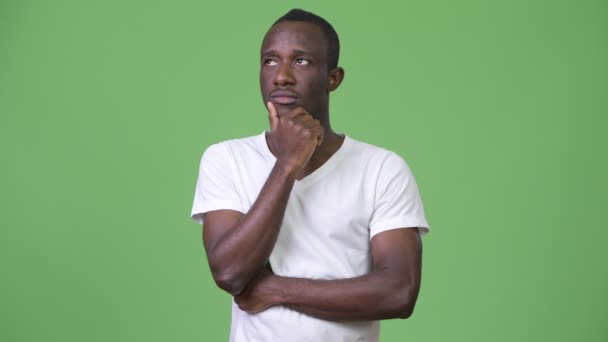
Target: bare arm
x=238 y=245
x=389 y=291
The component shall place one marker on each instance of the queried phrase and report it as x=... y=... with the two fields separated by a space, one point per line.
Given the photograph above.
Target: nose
x=284 y=75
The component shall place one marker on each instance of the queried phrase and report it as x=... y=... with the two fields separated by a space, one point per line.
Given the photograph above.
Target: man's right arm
x=238 y=245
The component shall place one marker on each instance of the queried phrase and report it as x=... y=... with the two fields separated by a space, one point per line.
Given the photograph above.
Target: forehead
x=287 y=36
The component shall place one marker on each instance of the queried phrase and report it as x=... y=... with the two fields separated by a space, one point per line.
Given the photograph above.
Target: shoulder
x=233 y=147
x=378 y=157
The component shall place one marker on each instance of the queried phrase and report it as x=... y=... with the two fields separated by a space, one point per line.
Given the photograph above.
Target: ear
x=335 y=78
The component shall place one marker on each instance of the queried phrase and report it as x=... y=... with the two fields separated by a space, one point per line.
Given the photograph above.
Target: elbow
x=400 y=308
x=405 y=311
x=229 y=282
x=403 y=303
x=227 y=276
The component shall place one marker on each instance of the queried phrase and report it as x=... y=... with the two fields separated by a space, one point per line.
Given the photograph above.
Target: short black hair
x=333 y=42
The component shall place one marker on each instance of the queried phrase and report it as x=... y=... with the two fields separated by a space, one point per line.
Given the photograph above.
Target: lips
x=283 y=97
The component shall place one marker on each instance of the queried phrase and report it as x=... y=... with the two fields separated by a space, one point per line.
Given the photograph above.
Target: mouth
x=283 y=97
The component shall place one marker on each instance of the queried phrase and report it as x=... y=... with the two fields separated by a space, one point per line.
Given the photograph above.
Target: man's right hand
x=293 y=136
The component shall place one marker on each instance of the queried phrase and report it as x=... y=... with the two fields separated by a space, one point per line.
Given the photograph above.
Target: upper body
x=332 y=217
x=316 y=235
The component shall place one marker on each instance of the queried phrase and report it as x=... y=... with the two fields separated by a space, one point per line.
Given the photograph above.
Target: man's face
x=293 y=70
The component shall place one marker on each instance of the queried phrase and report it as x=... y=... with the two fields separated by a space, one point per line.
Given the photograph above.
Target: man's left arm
x=390 y=290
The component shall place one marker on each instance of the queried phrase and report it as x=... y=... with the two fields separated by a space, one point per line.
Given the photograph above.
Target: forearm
x=240 y=254
x=370 y=297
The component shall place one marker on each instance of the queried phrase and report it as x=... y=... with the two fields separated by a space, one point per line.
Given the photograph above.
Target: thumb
x=273 y=117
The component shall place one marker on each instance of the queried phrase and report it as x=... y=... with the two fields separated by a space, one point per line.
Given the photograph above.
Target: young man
x=315 y=234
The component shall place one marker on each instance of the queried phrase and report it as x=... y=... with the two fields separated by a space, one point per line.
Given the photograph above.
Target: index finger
x=273 y=117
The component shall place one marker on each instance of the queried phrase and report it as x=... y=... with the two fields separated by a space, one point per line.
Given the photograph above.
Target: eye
x=270 y=62
x=302 y=61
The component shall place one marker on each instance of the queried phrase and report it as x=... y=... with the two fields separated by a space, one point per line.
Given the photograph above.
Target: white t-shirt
x=331 y=216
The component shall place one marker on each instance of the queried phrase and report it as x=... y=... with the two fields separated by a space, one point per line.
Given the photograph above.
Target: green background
x=499 y=107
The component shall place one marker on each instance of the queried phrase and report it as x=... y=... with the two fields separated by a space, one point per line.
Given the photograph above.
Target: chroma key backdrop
x=499 y=107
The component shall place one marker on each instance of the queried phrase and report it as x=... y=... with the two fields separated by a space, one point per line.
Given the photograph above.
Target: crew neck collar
x=322 y=170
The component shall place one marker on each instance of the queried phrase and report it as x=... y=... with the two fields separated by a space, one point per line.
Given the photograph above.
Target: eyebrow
x=295 y=52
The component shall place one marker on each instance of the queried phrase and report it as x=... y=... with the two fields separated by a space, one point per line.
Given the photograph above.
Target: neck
x=331 y=143
x=329 y=136
x=330 y=140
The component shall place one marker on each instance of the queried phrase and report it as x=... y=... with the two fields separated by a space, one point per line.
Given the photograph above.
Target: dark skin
x=295 y=82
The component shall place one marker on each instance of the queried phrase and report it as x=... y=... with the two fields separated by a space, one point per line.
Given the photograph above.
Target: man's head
x=331 y=36
x=299 y=63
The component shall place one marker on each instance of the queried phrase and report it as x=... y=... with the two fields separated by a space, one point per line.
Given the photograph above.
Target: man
x=316 y=235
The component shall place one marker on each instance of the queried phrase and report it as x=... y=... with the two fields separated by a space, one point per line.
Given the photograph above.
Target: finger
x=321 y=137
x=295 y=113
x=312 y=123
x=273 y=117
x=318 y=133
x=304 y=119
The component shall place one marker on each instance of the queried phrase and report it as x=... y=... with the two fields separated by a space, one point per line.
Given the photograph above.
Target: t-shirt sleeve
x=397 y=202
x=215 y=186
